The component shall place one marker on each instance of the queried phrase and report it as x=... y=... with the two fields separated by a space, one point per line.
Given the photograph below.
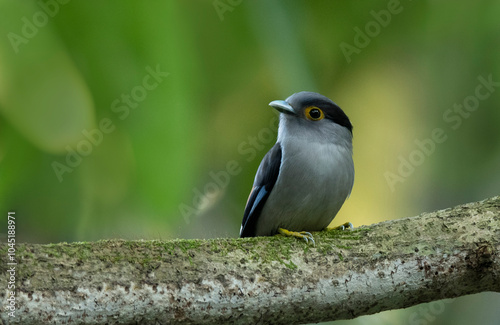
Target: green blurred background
x=184 y=86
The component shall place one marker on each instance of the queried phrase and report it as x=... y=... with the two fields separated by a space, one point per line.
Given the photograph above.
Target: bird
x=305 y=178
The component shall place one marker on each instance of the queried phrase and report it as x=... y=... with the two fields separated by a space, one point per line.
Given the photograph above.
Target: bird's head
x=311 y=115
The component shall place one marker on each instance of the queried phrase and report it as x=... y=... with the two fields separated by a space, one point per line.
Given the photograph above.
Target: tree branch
x=272 y=280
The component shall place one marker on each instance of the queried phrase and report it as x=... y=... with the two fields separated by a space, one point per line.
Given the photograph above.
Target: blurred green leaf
x=42 y=94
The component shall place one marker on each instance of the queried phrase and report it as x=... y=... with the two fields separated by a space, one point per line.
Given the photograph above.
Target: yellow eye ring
x=314 y=113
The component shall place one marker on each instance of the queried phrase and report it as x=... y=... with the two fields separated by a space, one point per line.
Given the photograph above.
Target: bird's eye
x=314 y=114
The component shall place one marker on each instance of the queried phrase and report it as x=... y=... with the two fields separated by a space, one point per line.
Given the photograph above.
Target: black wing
x=266 y=177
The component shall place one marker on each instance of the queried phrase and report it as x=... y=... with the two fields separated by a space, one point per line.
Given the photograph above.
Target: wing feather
x=266 y=177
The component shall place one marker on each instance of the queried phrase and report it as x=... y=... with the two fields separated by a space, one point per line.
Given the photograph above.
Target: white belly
x=314 y=181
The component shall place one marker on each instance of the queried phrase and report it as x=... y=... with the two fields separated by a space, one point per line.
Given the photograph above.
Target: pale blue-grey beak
x=282 y=106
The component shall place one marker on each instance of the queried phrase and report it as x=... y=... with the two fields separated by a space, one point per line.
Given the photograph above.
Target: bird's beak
x=282 y=106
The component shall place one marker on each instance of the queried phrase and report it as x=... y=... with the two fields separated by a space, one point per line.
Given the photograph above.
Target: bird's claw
x=345 y=226
x=307 y=236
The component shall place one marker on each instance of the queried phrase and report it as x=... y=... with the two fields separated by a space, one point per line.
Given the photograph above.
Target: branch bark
x=269 y=280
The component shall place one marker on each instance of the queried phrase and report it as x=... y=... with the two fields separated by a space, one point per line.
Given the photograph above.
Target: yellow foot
x=345 y=226
x=307 y=236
